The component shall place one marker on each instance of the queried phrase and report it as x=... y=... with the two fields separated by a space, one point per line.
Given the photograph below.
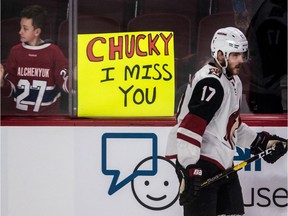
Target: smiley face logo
x=156 y=192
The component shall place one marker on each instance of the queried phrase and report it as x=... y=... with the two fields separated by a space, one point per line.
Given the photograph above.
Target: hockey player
x=36 y=70
x=209 y=127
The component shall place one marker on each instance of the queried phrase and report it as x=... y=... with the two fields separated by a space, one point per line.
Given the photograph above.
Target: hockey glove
x=264 y=141
x=190 y=185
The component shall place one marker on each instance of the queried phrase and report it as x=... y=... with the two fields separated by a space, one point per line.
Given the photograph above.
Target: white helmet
x=228 y=40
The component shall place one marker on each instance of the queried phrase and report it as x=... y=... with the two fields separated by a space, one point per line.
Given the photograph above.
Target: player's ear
x=220 y=57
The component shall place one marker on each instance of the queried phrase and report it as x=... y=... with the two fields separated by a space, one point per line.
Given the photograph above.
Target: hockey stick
x=236 y=167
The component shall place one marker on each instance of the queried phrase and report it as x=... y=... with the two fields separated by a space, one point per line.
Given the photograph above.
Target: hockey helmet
x=229 y=40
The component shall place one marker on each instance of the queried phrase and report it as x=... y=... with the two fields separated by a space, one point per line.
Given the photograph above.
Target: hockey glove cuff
x=190 y=185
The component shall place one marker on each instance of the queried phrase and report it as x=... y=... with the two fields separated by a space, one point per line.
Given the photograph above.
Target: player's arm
x=245 y=135
x=206 y=99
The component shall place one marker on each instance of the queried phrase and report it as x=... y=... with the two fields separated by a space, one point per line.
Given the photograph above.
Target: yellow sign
x=129 y=74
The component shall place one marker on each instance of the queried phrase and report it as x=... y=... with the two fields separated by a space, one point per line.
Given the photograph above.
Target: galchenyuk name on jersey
x=33 y=72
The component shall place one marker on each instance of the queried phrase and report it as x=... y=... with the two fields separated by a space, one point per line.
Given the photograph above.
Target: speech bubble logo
x=121 y=152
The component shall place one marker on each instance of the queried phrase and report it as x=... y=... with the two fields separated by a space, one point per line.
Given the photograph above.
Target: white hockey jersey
x=208 y=120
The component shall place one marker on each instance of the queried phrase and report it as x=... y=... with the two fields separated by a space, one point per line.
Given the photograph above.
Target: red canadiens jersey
x=35 y=76
x=209 y=125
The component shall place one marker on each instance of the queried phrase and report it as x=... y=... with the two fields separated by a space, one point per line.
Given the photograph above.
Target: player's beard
x=231 y=71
